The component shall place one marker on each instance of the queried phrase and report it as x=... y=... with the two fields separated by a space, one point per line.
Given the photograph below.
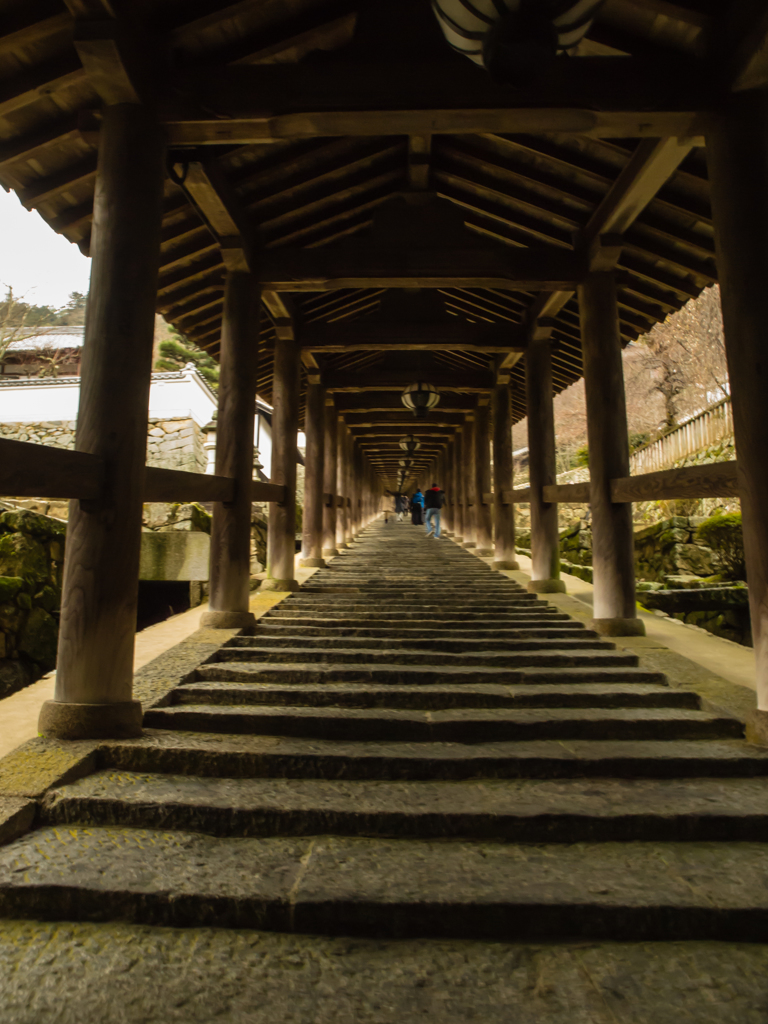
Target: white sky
x=41 y=266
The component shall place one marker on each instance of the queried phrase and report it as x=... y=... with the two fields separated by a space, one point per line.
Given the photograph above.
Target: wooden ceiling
x=304 y=119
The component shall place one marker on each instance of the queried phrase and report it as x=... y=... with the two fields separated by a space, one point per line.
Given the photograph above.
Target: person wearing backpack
x=417 y=508
x=434 y=500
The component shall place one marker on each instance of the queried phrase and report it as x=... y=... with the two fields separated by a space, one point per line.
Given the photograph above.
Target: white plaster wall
x=185 y=396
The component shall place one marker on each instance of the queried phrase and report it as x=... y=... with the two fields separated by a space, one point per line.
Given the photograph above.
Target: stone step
x=395 y=887
x=432 y=619
x=437 y=697
x=268 y=627
x=539 y=655
x=252 y=756
x=512 y=810
x=318 y=672
x=447 y=643
x=482 y=725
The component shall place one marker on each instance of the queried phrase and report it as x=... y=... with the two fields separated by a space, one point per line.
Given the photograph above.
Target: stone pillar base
x=484 y=552
x=757 y=727
x=284 y=586
x=64 y=721
x=312 y=563
x=330 y=552
x=511 y=564
x=545 y=587
x=618 y=627
x=227 y=620
x=469 y=544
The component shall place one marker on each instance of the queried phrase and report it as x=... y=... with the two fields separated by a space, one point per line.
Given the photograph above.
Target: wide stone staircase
x=413 y=745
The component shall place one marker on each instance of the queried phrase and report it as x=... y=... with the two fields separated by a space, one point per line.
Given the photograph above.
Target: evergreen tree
x=177 y=350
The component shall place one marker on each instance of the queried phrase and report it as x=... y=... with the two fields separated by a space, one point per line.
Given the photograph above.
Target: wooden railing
x=35 y=470
x=700 y=431
x=715 y=480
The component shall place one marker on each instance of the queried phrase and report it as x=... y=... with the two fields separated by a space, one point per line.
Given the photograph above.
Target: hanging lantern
x=420 y=398
x=515 y=39
x=409 y=443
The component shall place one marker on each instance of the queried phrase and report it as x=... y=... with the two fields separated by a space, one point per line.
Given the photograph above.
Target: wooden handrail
x=177 y=485
x=567 y=493
x=715 y=480
x=30 y=470
x=36 y=470
x=267 y=492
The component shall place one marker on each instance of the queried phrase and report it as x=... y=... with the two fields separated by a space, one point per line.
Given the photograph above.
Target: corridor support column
x=483 y=521
x=231 y=524
x=449 y=513
x=469 y=482
x=281 y=532
x=312 y=525
x=737 y=156
x=342 y=513
x=504 y=556
x=330 y=458
x=458 y=488
x=545 y=538
x=94 y=678
x=613 y=551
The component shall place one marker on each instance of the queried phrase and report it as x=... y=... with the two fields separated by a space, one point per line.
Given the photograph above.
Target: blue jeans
x=432 y=516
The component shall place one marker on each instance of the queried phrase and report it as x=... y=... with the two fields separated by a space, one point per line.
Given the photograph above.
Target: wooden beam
x=176 y=485
x=40 y=82
x=454 y=335
x=716 y=480
x=39 y=192
x=314 y=99
x=35 y=470
x=326 y=269
x=651 y=165
x=575 y=493
x=109 y=56
x=745 y=37
x=220 y=208
x=649 y=168
x=468 y=381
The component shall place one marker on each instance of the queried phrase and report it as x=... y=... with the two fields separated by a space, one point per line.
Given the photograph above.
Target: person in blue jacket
x=417 y=508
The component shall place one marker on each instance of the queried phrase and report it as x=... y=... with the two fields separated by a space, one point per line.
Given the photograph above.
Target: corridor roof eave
x=521 y=189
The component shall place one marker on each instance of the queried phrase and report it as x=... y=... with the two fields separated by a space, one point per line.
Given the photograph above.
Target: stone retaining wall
x=175 y=443
x=31 y=566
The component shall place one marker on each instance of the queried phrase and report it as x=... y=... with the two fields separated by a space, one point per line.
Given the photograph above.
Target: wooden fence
x=697 y=433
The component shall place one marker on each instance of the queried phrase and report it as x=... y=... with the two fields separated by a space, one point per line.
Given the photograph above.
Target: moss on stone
x=39 y=638
x=9 y=587
x=22 y=555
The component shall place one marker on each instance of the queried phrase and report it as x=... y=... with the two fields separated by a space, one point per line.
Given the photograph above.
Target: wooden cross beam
x=458 y=335
x=651 y=165
x=597 y=96
x=326 y=269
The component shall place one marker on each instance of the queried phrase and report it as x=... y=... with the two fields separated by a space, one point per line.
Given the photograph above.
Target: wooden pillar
x=505 y=556
x=613 y=553
x=94 y=677
x=341 y=484
x=737 y=155
x=231 y=526
x=330 y=459
x=483 y=520
x=458 y=486
x=545 y=539
x=312 y=526
x=281 y=532
x=446 y=483
x=469 y=483
x=349 y=534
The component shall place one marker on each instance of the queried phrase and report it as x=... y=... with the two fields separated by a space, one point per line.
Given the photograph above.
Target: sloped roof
x=536 y=189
